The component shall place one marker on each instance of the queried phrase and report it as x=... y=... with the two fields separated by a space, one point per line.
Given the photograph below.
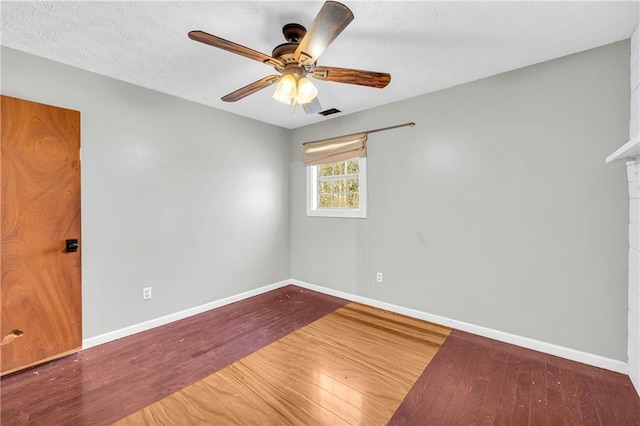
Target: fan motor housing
x=293 y=33
x=285 y=51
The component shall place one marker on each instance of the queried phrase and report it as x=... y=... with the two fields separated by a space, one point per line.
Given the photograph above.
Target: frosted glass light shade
x=306 y=91
x=285 y=89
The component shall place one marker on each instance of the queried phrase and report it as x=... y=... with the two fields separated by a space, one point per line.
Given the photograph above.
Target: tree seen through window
x=339 y=184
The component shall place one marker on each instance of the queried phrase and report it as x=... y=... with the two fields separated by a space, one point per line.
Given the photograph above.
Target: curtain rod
x=411 y=123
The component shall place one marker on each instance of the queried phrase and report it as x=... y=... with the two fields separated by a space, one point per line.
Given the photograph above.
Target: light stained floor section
x=353 y=366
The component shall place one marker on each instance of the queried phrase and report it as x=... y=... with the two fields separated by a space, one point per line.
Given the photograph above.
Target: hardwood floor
x=470 y=380
x=475 y=380
x=104 y=384
x=354 y=366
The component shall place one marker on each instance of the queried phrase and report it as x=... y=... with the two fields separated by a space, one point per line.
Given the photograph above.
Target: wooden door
x=41 y=289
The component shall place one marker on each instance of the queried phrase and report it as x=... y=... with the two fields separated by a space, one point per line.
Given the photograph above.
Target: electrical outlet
x=379 y=277
x=146 y=293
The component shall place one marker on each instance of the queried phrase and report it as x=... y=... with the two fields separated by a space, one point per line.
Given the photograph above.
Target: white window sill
x=344 y=213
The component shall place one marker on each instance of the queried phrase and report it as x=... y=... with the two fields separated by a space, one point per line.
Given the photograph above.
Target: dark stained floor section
x=103 y=384
x=473 y=380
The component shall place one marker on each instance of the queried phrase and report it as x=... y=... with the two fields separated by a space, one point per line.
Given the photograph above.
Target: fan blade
x=312 y=107
x=232 y=47
x=328 y=24
x=351 y=76
x=251 y=88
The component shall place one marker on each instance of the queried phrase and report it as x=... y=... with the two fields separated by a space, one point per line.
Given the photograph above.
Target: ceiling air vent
x=329 y=111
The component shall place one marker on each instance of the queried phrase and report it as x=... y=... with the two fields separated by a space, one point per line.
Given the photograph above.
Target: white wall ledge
x=628 y=151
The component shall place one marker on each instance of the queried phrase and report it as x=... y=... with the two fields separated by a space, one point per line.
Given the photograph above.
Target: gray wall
x=496 y=209
x=178 y=196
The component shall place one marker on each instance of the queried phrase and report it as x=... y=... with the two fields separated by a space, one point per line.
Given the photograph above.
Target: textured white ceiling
x=426 y=46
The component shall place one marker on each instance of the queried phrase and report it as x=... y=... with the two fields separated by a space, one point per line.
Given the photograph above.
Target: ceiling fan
x=296 y=59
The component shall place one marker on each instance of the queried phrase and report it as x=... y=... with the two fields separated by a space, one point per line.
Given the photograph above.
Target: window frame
x=313 y=198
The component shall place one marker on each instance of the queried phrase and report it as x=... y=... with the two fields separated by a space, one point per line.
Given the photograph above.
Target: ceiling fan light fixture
x=306 y=91
x=297 y=58
x=285 y=89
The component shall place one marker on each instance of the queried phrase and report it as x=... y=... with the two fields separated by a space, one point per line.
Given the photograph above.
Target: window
x=337 y=176
x=338 y=189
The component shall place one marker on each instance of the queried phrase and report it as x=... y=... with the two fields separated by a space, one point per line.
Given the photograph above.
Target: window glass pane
x=338 y=168
x=325 y=200
x=325 y=187
x=353 y=166
x=353 y=201
x=325 y=170
x=337 y=200
x=353 y=185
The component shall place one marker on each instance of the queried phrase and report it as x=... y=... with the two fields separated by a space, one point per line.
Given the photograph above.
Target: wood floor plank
x=478 y=386
x=442 y=407
x=522 y=403
x=539 y=414
x=339 y=369
x=496 y=371
x=588 y=407
x=553 y=384
x=570 y=396
x=507 y=394
x=462 y=391
x=606 y=413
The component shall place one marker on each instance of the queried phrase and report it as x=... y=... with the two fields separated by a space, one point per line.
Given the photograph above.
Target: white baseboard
x=147 y=325
x=548 y=348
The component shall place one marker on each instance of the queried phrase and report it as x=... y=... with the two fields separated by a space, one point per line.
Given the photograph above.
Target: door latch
x=71 y=246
